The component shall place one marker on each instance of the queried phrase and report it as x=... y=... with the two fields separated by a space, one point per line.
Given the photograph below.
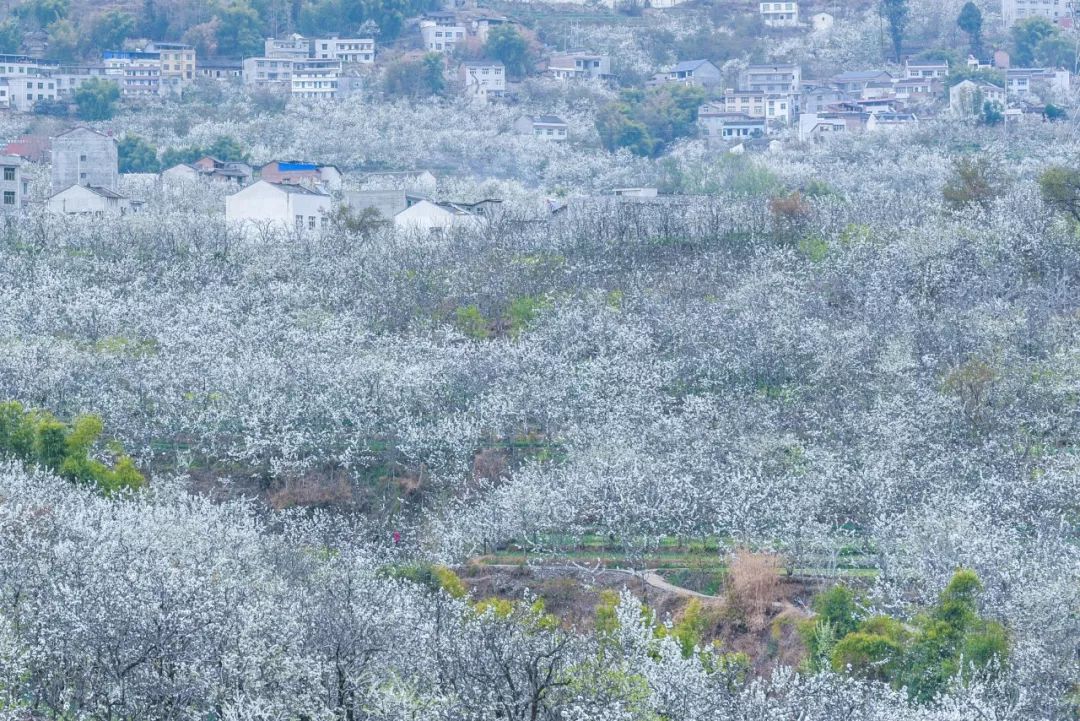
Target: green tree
x=970 y=183
x=434 y=80
x=43 y=12
x=239 y=30
x=1053 y=113
x=1056 y=51
x=505 y=44
x=226 y=148
x=64 y=41
x=415 y=79
x=838 y=607
x=895 y=13
x=96 y=99
x=137 y=155
x=110 y=29
x=1060 y=189
x=867 y=655
x=645 y=121
x=1027 y=34
x=10 y=37
x=991 y=113
x=970 y=21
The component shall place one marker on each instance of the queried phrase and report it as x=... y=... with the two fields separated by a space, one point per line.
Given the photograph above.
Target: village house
x=70 y=77
x=779 y=14
x=545 y=127
x=1048 y=82
x=925 y=70
x=579 y=65
x=441 y=32
x=481 y=26
x=775 y=108
x=13 y=187
x=134 y=72
x=282 y=207
x=177 y=60
x=917 y=89
x=1059 y=11
x=819 y=97
x=382 y=204
x=854 y=81
x=220 y=69
x=778 y=79
x=886 y=121
x=317 y=80
x=418 y=182
x=22 y=93
x=82 y=156
x=268 y=71
x=968 y=97
x=431 y=216
x=181 y=173
x=293 y=47
x=720 y=126
x=89 y=200
x=693 y=72
x=348 y=51
x=482 y=79
x=295 y=172
x=818 y=127
x=212 y=169
x=32 y=148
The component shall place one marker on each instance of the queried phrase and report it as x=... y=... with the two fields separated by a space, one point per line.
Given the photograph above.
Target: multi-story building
x=316 y=79
x=295 y=47
x=855 y=81
x=82 y=156
x=349 y=51
x=268 y=71
x=719 y=125
x=923 y=70
x=441 y=32
x=177 y=60
x=482 y=79
x=779 y=14
x=275 y=207
x=545 y=127
x=1048 y=82
x=785 y=79
x=13 y=187
x=21 y=93
x=576 y=65
x=774 y=107
x=135 y=72
x=69 y=78
x=1053 y=10
x=221 y=69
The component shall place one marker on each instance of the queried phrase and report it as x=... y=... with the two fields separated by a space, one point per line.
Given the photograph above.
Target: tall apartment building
x=316 y=79
x=82 y=156
x=13 y=187
x=135 y=72
x=1054 y=10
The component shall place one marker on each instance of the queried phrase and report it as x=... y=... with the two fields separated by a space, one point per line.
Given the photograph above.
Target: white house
x=779 y=14
x=925 y=70
x=1053 y=10
x=428 y=215
x=441 y=32
x=775 y=107
x=694 y=72
x=278 y=206
x=482 y=79
x=88 y=200
x=180 y=173
x=718 y=125
x=575 y=65
x=544 y=127
x=1022 y=82
x=350 y=51
x=968 y=97
x=783 y=78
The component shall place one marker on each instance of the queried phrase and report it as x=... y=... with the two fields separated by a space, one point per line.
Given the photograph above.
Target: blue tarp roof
x=287 y=167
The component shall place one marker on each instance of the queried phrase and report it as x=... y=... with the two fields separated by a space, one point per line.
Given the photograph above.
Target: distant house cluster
x=309 y=68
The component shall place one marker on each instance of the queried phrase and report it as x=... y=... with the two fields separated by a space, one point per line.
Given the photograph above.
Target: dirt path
x=650 y=578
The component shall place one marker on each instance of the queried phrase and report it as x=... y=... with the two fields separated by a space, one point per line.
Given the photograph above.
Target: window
x=9 y=197
x=82 y=176
x=82 y=158
x=9 y=172
x=299 y=222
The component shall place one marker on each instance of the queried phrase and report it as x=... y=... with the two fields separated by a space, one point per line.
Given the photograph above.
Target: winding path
x=650 y=578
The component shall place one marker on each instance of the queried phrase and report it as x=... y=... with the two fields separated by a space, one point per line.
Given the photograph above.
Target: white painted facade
x=281 y=208
x=429 y=216
x=88 y=200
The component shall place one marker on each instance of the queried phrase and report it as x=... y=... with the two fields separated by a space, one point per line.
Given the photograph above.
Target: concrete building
x=82 y=156
x=417 y=182
x=13 y=187
x=774 y=107
x=968 y=97
x=694 y=72
x=854 y=81
x=316 y=80
x=382 y=204
x=779 y=14
x=1047 y=83
x=776 y=79
x=1058 y=11
x=579 y=65
x=544 y=127
x=295 y=172
x=21 y=93
x=135 y=72
x=177 y=61
x=441 y=32
x=266 y=206
x=268 y=71
x=925 y=70
x=482 y=79
x=294 y=47
x=348 y=51
x=220 y=69
x=822 y=22
x=89 y=200
x=430 y=216
x=718 y=126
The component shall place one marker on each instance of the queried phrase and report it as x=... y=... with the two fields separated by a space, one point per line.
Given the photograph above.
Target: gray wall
x=99 y=168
